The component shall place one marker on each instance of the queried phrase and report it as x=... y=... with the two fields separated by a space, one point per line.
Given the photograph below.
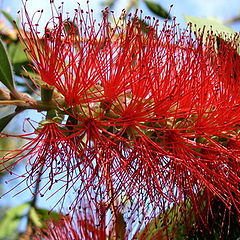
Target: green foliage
x=5 y=120
x=108 y=3
x=157 y=9
x=9 y=223
x=222 y=223
x=8 y=144
x=21 y=64
x=171 y=221
x=39 y=216
x=16 y=53
x=6 y=73
x=183 y=222
x=212 y=25
x=18 y=58
x=8 y=17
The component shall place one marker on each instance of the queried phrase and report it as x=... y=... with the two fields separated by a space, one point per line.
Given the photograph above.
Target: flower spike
x=150 y=114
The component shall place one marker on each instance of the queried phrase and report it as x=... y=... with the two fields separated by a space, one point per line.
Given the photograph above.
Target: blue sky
x=221 y=9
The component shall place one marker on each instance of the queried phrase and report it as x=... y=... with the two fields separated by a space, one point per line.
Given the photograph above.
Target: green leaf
x=22 y=66
x=11 y=220
x=46 y=215
x=24 y=69
x=35 y=218
x=108 y=3
x=6 y=73
x=172 y=221
x=212 y=25
x=157 y=9
x=8 y=17
x=39 y=216
x=5 y=120
x=16 y=53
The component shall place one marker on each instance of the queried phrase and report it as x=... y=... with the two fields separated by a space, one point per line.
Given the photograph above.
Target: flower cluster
x=87 y=224
x=149 y=114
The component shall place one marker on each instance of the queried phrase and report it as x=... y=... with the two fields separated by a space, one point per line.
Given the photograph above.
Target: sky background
x=221 y=9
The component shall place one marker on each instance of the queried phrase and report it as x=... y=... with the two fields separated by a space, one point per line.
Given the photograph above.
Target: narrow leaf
x=35 y=218
x=39 y=216
x=157 y=9
x=108 y=3
x=172 y=221
x=11 y=220
x=8 y=17
x=5 y=120
x=16 y=52
x=213 y=25
x=46 y=215
x=6 y=73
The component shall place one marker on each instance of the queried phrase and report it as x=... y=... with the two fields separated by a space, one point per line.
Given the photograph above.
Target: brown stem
x=15 y=94
x=29 y=104
x=112 y=203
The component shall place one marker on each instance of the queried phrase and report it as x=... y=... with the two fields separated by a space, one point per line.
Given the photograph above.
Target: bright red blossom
x=48 y=151
x=150 y=112
x=87 y=225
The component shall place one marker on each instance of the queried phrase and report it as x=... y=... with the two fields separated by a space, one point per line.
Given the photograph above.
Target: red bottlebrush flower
x=149 y=114
x=76 y=59
x=227 y=62
x=47 y=53
x=89 y=222
x=48 y=152
x=86 y=224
